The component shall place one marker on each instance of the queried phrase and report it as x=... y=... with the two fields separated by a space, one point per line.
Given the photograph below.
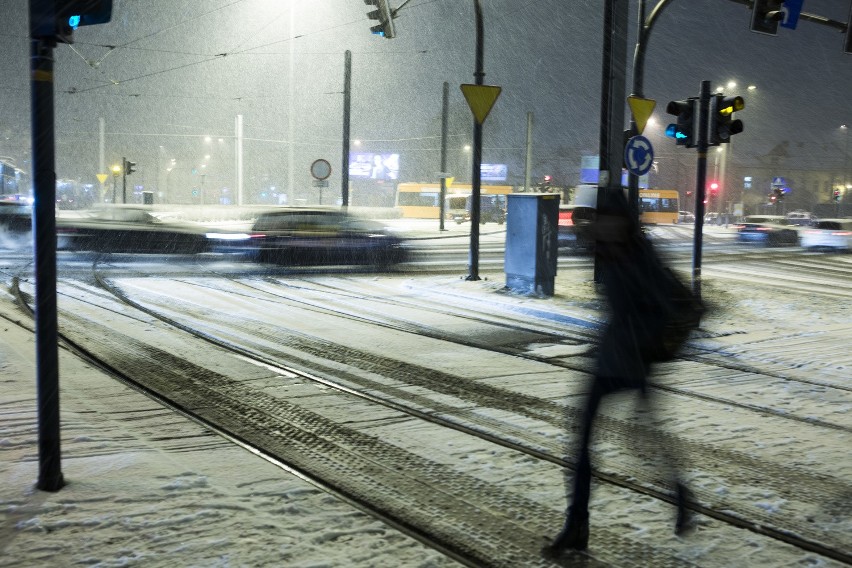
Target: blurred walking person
x=633 y=280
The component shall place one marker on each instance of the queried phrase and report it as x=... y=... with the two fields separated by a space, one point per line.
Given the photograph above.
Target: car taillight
x=739 y=227
x=841 y=234
x=812 y=232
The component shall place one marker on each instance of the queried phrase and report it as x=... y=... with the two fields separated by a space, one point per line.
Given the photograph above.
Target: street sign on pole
x=641 y=110
x=790 y=11
x=480 y=99
x=639 y=155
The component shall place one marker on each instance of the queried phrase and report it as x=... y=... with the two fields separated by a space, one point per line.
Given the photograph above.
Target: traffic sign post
x=639 y=155
x=790 y=11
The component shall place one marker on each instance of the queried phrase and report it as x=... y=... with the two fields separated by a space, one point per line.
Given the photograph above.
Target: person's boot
x=683 y=521
x=573 y=536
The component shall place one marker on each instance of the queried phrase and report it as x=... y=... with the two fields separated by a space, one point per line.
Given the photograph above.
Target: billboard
x=493 y=172
x=367 y=165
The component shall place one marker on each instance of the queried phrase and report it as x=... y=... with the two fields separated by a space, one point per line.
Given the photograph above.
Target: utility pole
x=445 y=116
x=479 y=75
x=612 y=104
x=347 y=103
x=528 y=162
x=700 y=184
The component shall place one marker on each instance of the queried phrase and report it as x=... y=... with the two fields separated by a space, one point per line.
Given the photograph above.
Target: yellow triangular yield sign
x=480 y=99
x=641 y=109
x=102 y=178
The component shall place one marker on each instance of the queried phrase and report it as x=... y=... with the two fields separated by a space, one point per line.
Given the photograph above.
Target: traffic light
x=837 y=195
x=684 y=131
x=713 y=186
x=722 y=125
x=765 y=15
x=129 y=167
x=384 y=14
x=57 y=19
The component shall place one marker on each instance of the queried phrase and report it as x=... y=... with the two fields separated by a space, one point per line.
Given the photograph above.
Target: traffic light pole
x=124 y=180
x=700 y=184
x=642 y=35
x=479 y=75
x=44 y=236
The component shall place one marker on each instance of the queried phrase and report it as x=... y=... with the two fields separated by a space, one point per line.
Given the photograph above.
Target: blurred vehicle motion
x=829 y=234
x=16 y=214
x=771 y=230
x=315 y=236
x=685 y=217
x=801 y=218
x=491 y=209
x=713 y=219
x=574 y=226
x=128 y=229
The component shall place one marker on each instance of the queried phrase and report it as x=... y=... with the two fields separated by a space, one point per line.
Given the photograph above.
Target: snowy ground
x=149 y=488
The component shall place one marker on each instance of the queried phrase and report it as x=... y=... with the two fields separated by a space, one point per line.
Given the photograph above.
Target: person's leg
x=672 y=462
x=575 y=533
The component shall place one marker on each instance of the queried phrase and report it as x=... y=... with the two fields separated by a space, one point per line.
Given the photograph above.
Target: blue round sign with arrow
x=639 y=155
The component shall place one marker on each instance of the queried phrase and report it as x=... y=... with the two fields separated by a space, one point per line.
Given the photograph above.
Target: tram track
x=536 y=409
x=553 y=416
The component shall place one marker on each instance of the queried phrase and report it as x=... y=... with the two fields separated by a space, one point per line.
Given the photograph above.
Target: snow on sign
x=638 y=155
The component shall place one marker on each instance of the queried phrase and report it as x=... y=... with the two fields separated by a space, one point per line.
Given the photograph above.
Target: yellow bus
x=658 y=205
x=422 y=200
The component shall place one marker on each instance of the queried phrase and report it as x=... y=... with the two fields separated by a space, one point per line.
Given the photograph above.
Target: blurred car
x=16 y=215
x=771 y=230
x=306 y=236
x=713 y=219
x=801 y=218
x=128 y=229
x=685 y=217
x=573 y=226
x=829 y=234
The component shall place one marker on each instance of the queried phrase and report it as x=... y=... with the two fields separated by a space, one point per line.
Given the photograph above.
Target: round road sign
x=321 y=169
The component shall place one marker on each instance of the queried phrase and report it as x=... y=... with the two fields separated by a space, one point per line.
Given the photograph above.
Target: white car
x=685 y=217
x=828 y=233
x=801 y=218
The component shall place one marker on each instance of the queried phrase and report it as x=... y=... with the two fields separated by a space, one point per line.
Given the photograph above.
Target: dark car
x=770 y=230
x=320 y=237
x=128 y=229
x=573 y=227
x=16 y=215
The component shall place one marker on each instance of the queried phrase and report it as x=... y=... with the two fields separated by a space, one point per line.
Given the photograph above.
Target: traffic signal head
x=129 y=167
x=765 y=15
x=684 y=131
x=722 y=124
x=837 y=195
x=384 y=15
x=57 y=19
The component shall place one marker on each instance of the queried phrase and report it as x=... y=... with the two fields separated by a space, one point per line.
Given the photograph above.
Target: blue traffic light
x=673 y=132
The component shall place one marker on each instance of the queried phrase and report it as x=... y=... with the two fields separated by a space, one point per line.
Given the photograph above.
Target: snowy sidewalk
x=147 y=487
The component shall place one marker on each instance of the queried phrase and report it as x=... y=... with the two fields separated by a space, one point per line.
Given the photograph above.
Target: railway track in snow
x=532 y=410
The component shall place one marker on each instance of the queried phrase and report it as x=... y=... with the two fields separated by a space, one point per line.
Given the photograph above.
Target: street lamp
x=468 y=155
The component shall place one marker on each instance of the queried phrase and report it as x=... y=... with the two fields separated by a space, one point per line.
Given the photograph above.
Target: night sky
x=183 y=70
